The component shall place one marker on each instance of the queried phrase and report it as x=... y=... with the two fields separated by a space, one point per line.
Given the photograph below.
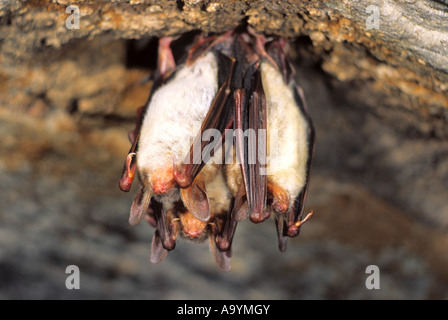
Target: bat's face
x=193 y=228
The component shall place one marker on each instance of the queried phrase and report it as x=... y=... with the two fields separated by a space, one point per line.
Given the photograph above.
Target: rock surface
x=378 y=97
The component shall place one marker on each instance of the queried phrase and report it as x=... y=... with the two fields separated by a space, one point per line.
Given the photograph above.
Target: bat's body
x=289 y=168
x=173 y=119
x=288 y=154
x=186 y=101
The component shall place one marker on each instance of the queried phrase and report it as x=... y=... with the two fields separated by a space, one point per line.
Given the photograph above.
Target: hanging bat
x=181 y=107
x=269 y=100
x=289 y=168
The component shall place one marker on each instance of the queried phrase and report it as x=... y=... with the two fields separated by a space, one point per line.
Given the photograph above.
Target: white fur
x=175 y=114
x=291 y=148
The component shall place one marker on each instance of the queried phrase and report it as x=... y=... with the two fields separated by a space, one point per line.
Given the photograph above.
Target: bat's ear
x=282 y=227
x=196 y=200
x=158 y=252
x=222 y=258
x=140 y=206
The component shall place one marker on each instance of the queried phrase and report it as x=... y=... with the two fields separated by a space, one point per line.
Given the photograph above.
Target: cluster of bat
x=198 y=184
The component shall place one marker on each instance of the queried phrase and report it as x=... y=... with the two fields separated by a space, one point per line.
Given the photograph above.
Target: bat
x=186 y=100
x=291 y=153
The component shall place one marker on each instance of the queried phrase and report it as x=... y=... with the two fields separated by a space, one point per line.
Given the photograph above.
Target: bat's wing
x=250 y=129
x=255 y=170
x=295 y=215
x=225 y=236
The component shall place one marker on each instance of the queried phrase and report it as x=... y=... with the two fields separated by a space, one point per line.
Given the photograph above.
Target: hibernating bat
x=291 y=151
x=236 y=81
x=185 y=101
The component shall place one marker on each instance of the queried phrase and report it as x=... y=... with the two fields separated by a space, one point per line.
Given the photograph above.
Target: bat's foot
x=204 y=44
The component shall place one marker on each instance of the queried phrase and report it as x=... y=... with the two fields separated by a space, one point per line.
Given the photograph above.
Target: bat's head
x=163 y=180
x=193 y=228
x=160 y=180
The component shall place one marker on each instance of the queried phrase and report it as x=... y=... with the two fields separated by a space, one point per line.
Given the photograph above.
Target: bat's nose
x=161 y=187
